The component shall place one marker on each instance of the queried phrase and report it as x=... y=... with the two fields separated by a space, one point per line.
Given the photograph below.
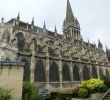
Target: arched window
x=39 y=71
x=101 y=73
x=76 y=76
x=54 y=73
x=21 y=40
x=50 y=50
x=26 y=76
x=66 y=73
x=7 y=59
x=39 y=48
x=94 y=72
x=86 y=75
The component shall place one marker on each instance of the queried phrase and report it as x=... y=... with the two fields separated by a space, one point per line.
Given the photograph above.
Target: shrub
x=5 y=94
x=39 y=97
x=60 y=96
x=94 y=85
x=106 y=81
x=64 y=96
x=75 y=92
x=54 y=95
x=30 y=91
x=82 y=92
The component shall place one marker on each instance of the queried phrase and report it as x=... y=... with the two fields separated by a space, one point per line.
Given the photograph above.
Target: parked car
x=45 y=93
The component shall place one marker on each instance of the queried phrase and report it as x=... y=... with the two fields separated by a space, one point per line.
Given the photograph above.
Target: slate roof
x=38 y=30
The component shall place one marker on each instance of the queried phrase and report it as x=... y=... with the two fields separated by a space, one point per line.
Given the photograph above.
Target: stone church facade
x=53 y=60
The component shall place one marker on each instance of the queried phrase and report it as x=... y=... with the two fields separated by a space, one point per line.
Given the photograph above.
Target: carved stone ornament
x=6 y=37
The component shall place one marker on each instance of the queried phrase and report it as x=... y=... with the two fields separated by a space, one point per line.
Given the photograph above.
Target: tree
x=5 y=94
x=30 y=92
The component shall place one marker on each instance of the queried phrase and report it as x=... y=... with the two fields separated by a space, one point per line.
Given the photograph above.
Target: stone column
x=71 y=72
x=47 y=71
x=33 y=63
x=104 y=70
x=81 y=72
x=60 y=72
x=98 y=72
x=90 y=72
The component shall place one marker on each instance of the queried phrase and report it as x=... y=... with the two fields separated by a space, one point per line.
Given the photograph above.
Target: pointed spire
x=32 y=23
x=2 y=20
x=106 y=48
x=88 y=41
x=27 y=25
x=69 y=12
x=18 y=17
x=70 y=20
x=44 y=26
x=55 y=29
x=100 y=46
x=94 y=44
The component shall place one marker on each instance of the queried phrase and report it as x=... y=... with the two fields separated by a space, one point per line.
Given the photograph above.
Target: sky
x=93 y=15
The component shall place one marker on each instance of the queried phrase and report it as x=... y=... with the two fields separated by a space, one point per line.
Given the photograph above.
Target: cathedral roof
x=38 y=30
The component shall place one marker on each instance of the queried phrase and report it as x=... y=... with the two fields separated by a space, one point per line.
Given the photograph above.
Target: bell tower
x=71 y=26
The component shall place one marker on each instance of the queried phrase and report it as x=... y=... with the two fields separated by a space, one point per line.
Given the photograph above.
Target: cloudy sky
x=93 y=15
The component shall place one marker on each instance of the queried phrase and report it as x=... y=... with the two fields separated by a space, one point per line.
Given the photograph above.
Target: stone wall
x=11 y=77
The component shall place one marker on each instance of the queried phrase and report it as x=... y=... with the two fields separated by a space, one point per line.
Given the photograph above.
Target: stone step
x=108 y=95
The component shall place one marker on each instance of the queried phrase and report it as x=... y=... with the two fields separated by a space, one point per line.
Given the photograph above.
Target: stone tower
x=71 y=26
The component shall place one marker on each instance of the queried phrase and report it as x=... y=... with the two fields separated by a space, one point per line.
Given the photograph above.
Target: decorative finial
x=88 y=41
x=55 y=29
x=106 y=48
x=18 y=17
x=2 y=20
x=94 y=44
x=27 y=25
x=100 y=46
x=32 y=21
x=44 y=26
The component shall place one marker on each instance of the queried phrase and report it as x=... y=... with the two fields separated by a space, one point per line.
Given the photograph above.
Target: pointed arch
x=66 y=72
x=94 y=72
x=21 y=40
x=54 y=72
x=76 y=75
x=39 y=71
x=86 y=75
x=26 y=76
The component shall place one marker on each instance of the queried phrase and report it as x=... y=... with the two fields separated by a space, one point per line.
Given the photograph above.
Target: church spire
x=71 y=26
x=69 y=12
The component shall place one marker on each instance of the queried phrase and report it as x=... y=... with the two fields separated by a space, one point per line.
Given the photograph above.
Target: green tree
x=30 y=92
x=5 y=94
